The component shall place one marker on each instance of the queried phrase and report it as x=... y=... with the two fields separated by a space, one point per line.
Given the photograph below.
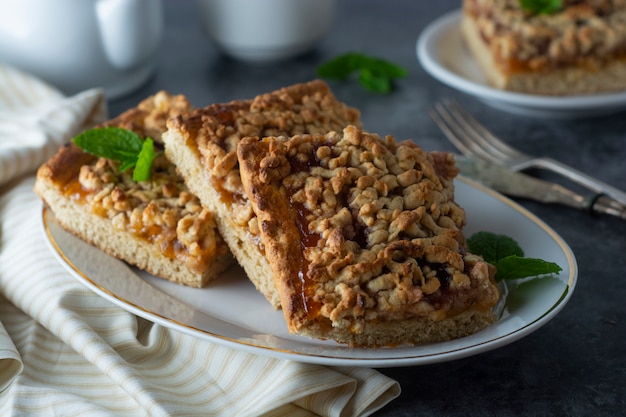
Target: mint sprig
x=508 y=257
x=121 y=145
x=541 y=6
x=143 y=166
x=374 y=74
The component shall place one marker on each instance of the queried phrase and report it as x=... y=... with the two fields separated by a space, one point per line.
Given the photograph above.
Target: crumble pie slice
x=577 y=50
x=203 y=145
x=157 y=225
x=365 y=239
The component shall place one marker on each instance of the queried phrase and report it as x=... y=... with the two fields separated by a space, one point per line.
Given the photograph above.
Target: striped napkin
x=66 y=351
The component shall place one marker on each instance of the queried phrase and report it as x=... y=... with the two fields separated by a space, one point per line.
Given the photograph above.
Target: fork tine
x=498 y=148
x=437 y=113
x=456 y=131
x=475 y=140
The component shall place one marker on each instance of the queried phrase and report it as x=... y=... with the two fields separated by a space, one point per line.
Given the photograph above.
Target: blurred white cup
x=79 y=44
x=264 y=31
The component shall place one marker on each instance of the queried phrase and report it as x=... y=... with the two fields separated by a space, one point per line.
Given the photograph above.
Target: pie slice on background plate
x=579 y=49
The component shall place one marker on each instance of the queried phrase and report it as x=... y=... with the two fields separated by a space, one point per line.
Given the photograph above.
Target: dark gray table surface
x=575 y=365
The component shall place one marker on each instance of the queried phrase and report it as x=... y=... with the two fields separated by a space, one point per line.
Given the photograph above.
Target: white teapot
x=79 y=44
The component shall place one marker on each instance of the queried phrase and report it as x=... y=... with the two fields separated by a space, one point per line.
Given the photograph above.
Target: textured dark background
x=573 y=366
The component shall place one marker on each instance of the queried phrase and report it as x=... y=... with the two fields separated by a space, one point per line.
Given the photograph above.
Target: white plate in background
x=443 y=54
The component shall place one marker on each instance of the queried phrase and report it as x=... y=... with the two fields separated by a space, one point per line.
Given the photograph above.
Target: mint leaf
x=541 y=6
x=121 y=145
x=341 y=67
x=493 y=247
x=374 y=74
x=128 y=164
x=143 y=168
x=508 y=257
x=373 y=82
x=113 y=143
x=516 y=267
x=548 y=289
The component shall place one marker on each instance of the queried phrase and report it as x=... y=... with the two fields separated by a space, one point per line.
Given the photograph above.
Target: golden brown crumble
x=379 y=230
x=307 y=108
x=162 y=209
x=588 y=32
x=150 y=117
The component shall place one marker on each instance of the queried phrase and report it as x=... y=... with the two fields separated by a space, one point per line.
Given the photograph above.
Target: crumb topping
x=150 y=116
x=380 y=230
x=162 y=209
x=586 y=32
x=306 y=108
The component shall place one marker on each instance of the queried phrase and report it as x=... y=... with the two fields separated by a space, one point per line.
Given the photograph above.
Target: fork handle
x=579 y=178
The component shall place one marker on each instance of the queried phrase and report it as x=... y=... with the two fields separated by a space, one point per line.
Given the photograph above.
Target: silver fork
x=474 y=140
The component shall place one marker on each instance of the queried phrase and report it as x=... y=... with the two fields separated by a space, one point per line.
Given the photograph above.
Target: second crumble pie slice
x=203 y=145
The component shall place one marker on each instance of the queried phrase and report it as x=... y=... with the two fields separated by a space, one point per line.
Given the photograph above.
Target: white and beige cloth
x=66 y=351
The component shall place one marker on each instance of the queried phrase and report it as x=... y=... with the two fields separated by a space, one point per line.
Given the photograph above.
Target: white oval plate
x=231 y=312
x=442 y=53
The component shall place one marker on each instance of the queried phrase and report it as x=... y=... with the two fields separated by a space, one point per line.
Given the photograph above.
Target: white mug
x=266 y=30
x=79 y=44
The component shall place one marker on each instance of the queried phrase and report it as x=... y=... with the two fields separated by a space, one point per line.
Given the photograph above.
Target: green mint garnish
x=508 y=257
x=374 y=74
x=515 y=267
x=111 y=143
x=492 y=246
x=541 y=6
x=121 y=145
x=146 y=156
